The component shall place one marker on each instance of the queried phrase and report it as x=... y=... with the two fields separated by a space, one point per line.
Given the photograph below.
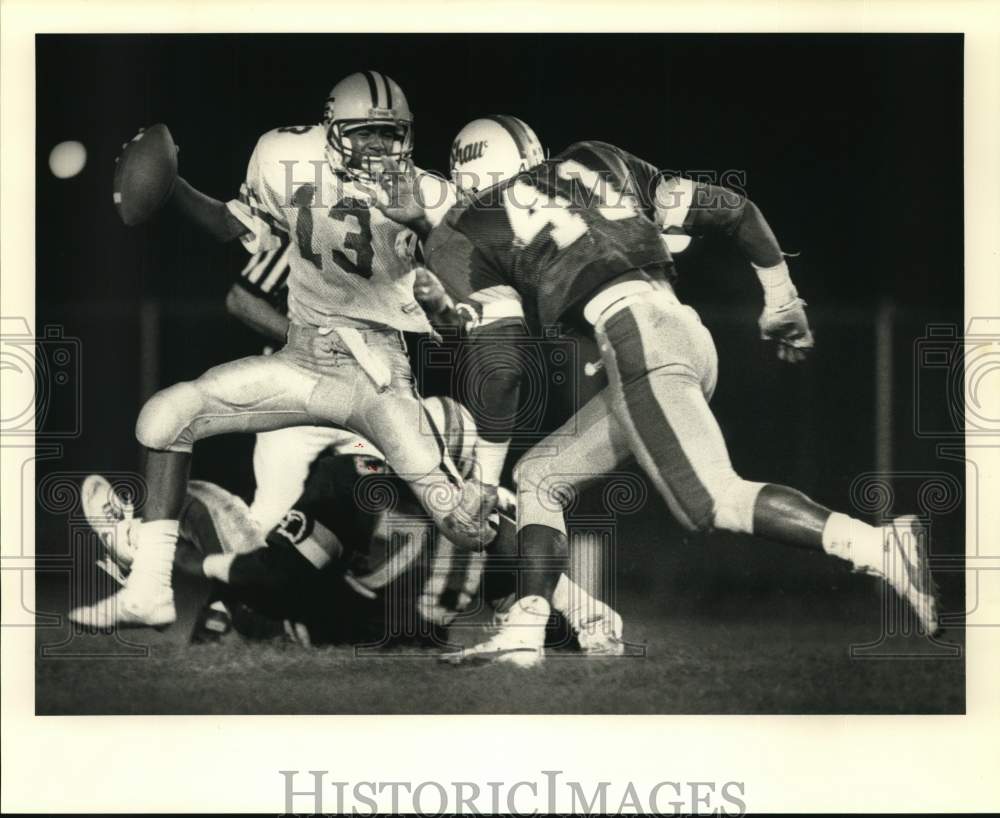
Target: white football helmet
x=487 y=151
x=365 y=99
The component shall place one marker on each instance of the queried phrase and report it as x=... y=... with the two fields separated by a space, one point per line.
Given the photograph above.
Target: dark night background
x=851 y=146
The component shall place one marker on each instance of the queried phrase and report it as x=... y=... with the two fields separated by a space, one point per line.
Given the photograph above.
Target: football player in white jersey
x=344 y=363
x=281 y=457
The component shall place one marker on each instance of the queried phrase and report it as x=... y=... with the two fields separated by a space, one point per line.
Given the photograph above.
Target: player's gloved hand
x=429 y=291
x=788 y=326
x=469 y=526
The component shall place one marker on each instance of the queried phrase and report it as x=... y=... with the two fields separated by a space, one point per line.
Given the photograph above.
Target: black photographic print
x=471 y=373
x=758 y=494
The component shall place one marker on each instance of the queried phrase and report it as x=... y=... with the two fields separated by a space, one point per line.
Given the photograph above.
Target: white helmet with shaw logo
x=366 y=99
x=487 y=151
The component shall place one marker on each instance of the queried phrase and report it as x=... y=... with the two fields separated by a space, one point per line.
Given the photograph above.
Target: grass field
x=710 y=640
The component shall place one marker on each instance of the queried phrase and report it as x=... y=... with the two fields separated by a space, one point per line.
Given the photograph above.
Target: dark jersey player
x=354 y=560
x=572 y=237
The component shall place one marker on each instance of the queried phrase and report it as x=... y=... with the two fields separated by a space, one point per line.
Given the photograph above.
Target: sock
x=154 y=560
x=218 y=566
x=854 y=541
x=574 y=603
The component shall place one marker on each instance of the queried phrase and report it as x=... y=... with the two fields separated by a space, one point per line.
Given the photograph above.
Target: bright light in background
x=67 y=159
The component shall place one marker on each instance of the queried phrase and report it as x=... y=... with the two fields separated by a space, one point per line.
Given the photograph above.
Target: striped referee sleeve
x=266 y=272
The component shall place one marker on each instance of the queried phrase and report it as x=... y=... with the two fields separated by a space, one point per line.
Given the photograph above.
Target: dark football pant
x=662 y=367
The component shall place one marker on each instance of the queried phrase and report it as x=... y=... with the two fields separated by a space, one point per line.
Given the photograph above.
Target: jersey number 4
x=530 y=211
x=358 y=240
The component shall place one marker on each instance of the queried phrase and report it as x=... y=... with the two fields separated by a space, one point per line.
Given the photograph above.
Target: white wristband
x=777 y=284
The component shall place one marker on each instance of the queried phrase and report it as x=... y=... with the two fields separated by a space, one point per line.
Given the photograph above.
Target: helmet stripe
x=509 y=124
x=372 y=88
x=522 y=131
x=388 y=88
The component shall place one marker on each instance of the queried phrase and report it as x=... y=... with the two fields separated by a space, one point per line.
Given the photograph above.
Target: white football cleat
x=905 y=568
x=126 y=610
x=520 y=640
x=503 y=649
x=601 y=633
x=111 y=518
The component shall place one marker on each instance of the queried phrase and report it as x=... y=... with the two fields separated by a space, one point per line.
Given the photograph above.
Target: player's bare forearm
x=257 y=313
x=209 y=214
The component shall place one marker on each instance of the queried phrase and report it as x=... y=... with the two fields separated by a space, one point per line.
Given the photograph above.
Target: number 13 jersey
x=343 y=260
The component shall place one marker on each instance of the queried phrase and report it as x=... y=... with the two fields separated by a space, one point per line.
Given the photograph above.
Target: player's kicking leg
x=167 y=427
x=662 y=362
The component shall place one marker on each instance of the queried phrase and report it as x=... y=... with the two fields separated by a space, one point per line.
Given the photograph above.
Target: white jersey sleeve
x=259 y=206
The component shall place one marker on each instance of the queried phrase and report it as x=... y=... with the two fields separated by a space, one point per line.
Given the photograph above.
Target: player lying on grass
x=354 y=560
x=577 y=240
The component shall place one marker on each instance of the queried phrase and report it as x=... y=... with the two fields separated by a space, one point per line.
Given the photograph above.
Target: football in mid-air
x=145 y=174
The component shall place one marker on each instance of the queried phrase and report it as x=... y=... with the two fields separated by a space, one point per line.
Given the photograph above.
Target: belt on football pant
x=617 y=297
x=356 y=342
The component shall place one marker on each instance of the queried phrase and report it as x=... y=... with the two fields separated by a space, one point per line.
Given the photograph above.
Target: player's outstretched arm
x=257 y=313
x=209 y=214
x=146 y=180
x=717 y=209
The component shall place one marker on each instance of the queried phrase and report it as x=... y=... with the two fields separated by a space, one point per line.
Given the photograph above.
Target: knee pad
x=542 y=497
x=536 y=476
x=734 y=505
x=165 y=420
